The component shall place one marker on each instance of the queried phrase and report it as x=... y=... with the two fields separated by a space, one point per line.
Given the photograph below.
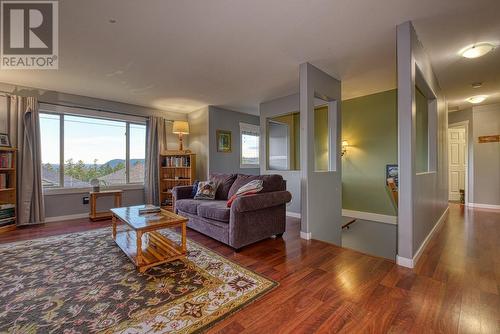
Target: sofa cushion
x=206 y=190
x=224 y=183
x=188 y=205
x=271 y=183
x=216 y=210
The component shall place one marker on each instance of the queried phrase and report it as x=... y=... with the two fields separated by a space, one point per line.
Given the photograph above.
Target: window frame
x=61 y=111
x=249 y=129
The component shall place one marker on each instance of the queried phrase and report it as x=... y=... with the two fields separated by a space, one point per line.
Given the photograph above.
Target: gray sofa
x=250 y=218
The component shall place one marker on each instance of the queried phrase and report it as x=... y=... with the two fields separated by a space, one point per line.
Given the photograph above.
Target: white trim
x=305 y=235
x=67 y=217
x=411 y=263
x=376 y=217
x=404 y=261
x=293 y=214
x=484 y=206
x=67 y=191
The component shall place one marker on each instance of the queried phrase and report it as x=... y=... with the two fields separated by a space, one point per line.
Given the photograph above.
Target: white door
x=458 y=161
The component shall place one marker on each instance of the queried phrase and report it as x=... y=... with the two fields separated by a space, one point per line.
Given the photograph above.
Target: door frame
x=465 y=125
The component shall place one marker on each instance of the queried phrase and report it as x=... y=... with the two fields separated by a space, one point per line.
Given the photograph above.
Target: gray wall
x=423 y=197
x=223 y=119
x=487 y=155
x=321 y=192
x=70 y=204
x=466 y=116
x=198 y=140
x=278 y=107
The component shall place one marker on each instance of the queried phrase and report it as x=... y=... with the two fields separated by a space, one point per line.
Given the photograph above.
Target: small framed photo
x=4 y=140
x=392 y=171
x=224 y=141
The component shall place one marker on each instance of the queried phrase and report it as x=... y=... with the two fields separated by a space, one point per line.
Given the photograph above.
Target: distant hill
x=113 y=163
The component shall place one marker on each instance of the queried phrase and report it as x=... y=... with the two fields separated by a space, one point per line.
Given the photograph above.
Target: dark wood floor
x=323 y=288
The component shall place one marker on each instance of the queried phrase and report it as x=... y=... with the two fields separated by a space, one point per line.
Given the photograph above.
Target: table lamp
x=180 y=128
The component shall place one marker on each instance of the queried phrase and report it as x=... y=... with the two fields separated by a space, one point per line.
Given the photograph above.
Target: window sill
x=67 y=191
x=250 y=166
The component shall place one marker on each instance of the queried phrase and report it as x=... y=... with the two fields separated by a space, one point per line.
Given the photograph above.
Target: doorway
x=458 y=162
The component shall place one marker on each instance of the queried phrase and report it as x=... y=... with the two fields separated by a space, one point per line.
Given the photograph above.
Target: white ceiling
x=183 y=55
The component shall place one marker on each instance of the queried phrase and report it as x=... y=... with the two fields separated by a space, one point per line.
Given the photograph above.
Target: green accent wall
x=369 y=124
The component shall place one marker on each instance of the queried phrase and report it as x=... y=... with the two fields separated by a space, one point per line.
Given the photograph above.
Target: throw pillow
x=206 y=190
x=195 y=188
x=251 y=187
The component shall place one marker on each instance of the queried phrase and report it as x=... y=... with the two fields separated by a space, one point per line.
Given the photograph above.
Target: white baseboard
x=484 y=206
x=404 y=261
x=68 y=217
x=376 y=217
x=293 y=214
x=305 y=235
x=411 y=263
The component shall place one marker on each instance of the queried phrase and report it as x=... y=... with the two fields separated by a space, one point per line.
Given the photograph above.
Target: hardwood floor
x=326 y=289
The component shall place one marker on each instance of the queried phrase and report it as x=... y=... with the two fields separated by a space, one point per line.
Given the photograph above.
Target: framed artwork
x=392 y=171
x=4 y=140
x=223 y=141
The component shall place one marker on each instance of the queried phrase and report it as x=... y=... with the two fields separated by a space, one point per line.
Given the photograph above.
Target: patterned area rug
x=84 y=283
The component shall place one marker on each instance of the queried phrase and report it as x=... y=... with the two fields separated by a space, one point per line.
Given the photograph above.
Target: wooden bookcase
x=176 y=169
x=8 y=194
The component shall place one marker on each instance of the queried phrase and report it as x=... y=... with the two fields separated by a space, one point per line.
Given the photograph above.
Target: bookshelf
x=177 y=168
x=8 y=200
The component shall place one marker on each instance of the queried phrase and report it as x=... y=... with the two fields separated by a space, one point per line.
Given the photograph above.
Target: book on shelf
x=176 y=161
x=4 y=180
x=6 y=160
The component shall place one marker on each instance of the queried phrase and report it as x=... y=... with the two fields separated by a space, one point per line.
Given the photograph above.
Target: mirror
x=283 y=142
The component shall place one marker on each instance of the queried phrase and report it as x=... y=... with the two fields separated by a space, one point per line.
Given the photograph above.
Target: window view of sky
x=93 y=148
x=250 y=149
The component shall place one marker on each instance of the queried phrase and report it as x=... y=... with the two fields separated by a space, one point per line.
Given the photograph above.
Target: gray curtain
x=24 y=129
x=155 y=143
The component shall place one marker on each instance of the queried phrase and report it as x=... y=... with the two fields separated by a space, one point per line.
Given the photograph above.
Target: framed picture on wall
x=392 y=171
x=224 y=141
x=4 y=140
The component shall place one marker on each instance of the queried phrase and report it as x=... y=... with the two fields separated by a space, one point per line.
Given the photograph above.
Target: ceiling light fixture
x=476 y=99
x=477 y=84
x=112 y=21
x=477 y=50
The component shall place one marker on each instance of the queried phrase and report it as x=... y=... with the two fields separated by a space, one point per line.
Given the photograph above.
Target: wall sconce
x=345 y=144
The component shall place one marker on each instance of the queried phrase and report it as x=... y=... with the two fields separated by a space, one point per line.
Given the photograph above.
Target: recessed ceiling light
x=477 y=84
x=477 y=50
x=112 y=21
x=476 y=99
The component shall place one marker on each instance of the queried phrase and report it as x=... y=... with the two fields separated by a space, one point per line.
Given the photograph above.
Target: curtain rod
x=71 y=105
x=93 y=109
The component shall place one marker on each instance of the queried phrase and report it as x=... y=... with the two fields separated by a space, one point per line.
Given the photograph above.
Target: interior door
x=458 y=161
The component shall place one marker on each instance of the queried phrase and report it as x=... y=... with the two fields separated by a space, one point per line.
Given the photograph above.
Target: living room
x=245 y=167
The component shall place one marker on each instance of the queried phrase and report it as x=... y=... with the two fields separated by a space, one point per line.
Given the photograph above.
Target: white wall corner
x=411 y=263
x=305 y=235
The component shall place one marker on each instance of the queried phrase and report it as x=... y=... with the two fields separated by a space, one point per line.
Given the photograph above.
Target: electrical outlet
x=85 y=200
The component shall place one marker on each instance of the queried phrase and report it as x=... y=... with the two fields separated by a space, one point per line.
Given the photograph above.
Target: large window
x=78 y=149
x=249 y=138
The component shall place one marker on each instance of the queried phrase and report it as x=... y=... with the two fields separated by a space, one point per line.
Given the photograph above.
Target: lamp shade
x=180 y=127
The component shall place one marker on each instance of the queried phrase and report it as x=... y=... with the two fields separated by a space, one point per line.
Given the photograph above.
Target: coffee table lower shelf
x=155 y=249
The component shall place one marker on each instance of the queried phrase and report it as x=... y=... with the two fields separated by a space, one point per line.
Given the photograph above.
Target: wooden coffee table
x=142 y=242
